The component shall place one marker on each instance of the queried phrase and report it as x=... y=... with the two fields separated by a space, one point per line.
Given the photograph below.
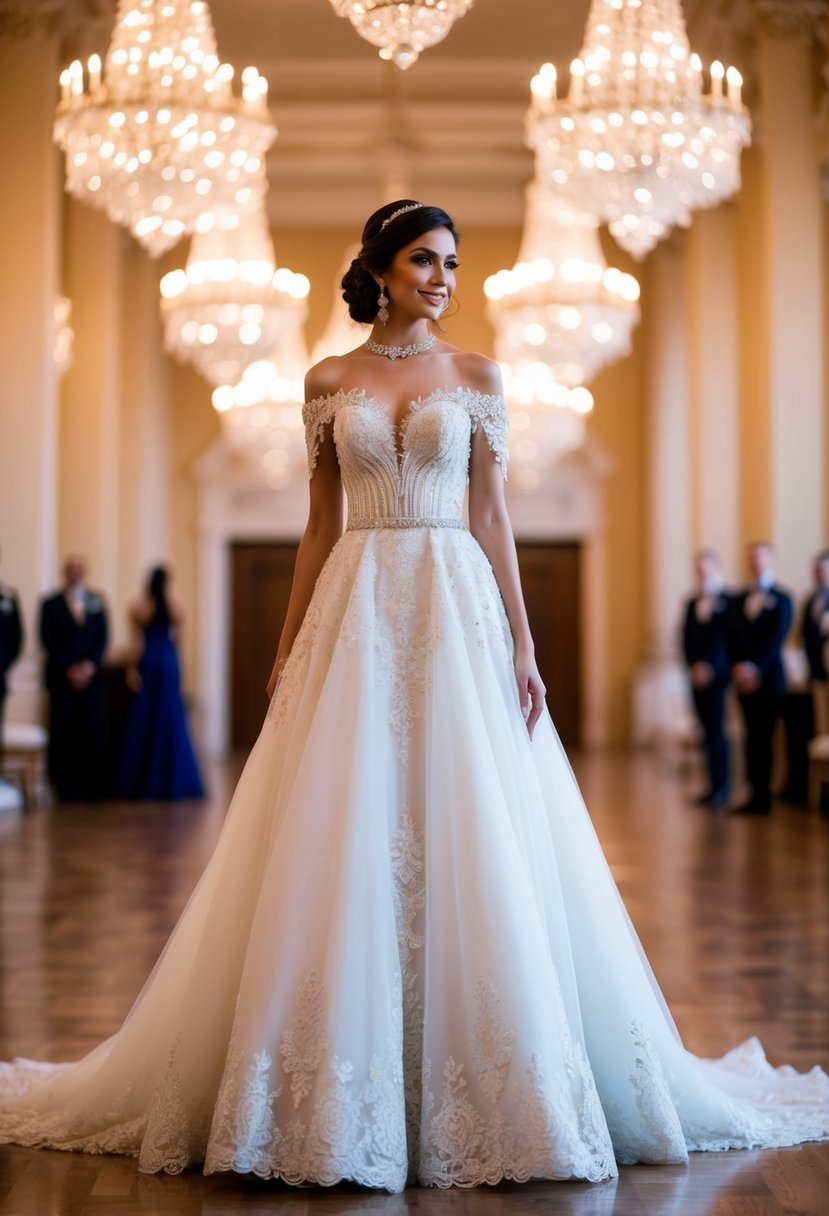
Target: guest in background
x=705 y=644
x=11 y=641
x=760 y=620
x=815 y=633
x=73 y=632
x=158 y=761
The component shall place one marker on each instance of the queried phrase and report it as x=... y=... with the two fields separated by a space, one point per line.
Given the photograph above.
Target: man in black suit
x=761 y=618
x=815 y=634
x=73 y=631
x=11 y=641
x=705 y=645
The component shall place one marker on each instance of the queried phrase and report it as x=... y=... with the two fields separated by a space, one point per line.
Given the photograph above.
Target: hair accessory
x=399 y=352
x=382 y=306
x=400 y=211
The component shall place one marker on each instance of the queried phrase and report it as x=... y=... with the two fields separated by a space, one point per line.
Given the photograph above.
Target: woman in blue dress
x=158 y=761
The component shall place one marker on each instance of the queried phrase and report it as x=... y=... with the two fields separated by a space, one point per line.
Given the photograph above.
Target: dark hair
x=157 y=594
x=381 y=241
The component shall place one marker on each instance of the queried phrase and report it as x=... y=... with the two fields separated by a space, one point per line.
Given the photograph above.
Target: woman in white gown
x=407 y=959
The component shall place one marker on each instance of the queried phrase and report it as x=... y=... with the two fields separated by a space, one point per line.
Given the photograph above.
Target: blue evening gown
x=158 y=761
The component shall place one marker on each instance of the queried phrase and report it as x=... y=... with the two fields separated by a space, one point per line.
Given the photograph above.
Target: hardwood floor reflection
x=733 y=913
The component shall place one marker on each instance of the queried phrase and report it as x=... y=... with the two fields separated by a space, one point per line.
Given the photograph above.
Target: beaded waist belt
x=404 y=521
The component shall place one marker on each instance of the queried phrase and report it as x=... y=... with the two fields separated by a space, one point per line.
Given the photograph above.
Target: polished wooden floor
x=734 y=914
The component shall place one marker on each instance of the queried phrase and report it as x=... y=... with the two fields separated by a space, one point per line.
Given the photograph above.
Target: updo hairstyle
x=378 y=250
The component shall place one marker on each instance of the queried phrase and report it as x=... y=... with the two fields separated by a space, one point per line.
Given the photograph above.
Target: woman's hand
x=134 y=681
x=531 y=688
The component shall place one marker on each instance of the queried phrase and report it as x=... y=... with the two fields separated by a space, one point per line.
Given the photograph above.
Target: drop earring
x=382 y=306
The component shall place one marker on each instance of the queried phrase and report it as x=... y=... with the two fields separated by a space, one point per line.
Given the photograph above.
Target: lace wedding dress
x=407 y=958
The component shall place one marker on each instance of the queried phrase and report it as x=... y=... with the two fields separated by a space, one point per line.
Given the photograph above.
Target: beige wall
x=132 y=422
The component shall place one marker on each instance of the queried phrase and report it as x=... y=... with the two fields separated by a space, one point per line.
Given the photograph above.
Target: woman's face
x=421 y=279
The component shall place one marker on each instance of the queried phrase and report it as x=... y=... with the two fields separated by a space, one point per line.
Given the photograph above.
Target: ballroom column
x=143 y=530
x=795 y=251
x=658 y=684
x=715 y=386
x=30 y=222
x=91 y=400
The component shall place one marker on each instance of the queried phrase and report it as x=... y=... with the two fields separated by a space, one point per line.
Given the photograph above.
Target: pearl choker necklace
x=400 y=352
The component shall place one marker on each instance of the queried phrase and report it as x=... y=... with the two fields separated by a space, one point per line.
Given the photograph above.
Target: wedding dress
x=407 y=959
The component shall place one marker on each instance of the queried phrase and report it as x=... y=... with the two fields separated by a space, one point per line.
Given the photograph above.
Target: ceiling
x=355 y=131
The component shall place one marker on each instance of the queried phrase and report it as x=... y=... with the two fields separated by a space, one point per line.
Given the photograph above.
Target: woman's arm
x=489 y=524
x=135 y=649
x=323 y=530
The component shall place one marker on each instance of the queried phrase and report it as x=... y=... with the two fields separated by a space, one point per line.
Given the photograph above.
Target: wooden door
x=550 y=578
x=262 y=573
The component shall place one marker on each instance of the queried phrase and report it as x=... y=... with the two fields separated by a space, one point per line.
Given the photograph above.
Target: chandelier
x=231 y=306
x=402 y=28
x=560 y=306
x=637 y=142
x=159 y=137
x=262 y=414
x=546 y=421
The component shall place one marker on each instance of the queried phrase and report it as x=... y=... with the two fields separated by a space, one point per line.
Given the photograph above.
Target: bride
x=407 y=959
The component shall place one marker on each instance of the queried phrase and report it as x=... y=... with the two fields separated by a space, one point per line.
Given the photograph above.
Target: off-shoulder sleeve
x=491 y=413
x=316 y=415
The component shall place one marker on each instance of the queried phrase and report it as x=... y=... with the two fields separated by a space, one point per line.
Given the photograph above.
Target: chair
x=11 y=797
x=24 y=752
x=818 y=769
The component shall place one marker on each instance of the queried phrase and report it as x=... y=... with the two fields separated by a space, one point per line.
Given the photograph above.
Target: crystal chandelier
x=402 y=28
x=231 y=306
x=637 y=142
x=546 y=420
x=160 y=137
x=262 y=414
x=561 y=306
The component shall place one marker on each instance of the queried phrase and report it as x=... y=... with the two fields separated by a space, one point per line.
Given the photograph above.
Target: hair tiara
x=400 y=211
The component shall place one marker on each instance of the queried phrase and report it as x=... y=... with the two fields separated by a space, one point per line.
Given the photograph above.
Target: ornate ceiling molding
x=793 y=18
x=42 y=19
x=52 y=18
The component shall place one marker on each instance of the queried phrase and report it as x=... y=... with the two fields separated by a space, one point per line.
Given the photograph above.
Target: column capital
x=792 y=18
x=64 y=19
x=39 y=19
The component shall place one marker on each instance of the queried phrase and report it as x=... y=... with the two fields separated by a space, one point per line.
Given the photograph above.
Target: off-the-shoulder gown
x=407 y=958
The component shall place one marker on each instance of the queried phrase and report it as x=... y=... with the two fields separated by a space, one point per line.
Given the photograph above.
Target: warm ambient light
x=231 y=306
x=402 y=29
x=160 y=137
x=637 y=141
x=561 y=304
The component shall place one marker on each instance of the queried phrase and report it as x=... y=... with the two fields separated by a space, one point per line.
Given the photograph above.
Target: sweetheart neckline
x=412 y=403
x=487 y=409
x=397 y=431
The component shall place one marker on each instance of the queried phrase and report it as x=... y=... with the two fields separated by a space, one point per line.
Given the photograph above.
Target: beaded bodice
x=414 y=477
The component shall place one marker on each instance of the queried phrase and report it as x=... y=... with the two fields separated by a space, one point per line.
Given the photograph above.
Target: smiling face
x=421 y=280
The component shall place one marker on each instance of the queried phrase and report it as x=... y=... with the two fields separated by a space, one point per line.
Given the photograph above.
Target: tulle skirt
x=407 y=959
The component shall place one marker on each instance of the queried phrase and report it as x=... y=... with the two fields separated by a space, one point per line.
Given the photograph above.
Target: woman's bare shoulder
x=480 y=373
x=323 y=378
x=329 y=375
x=140 y=611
